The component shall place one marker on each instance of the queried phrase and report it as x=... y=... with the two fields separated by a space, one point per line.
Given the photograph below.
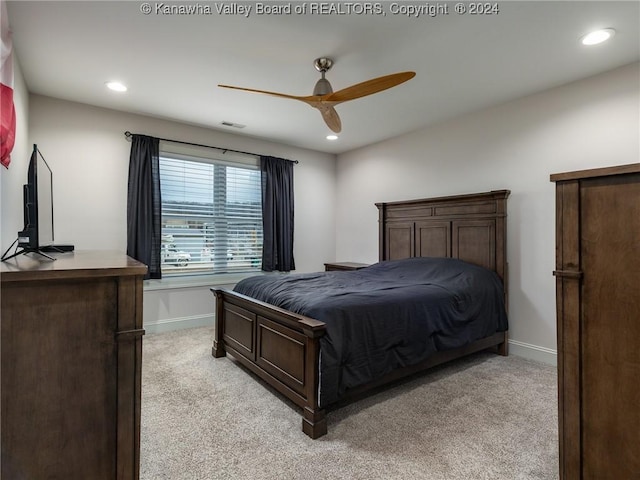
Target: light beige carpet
x=484 y=417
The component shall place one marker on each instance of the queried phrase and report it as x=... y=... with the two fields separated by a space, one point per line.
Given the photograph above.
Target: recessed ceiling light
x=332 y=137
x=116 y=86
x=598 y=36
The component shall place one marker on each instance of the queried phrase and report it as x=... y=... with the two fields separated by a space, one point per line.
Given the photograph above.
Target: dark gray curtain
x=144 y=204
x=277 y=214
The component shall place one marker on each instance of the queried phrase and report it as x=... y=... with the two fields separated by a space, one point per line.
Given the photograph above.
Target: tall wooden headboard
x=470 y=227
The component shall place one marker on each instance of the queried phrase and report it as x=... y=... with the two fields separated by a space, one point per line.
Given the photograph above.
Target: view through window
x=211 y=216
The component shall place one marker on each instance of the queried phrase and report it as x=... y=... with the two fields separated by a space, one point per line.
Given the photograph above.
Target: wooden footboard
x=279 y=346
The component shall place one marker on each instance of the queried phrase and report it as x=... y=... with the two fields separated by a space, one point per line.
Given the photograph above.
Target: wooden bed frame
x=283 y=348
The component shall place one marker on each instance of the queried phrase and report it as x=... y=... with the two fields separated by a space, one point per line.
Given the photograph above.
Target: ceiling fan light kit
x=325 y=99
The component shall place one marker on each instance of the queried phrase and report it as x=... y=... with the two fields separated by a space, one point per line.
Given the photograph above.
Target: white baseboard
x=521 y=349
x=533 y=352
x=179 y=323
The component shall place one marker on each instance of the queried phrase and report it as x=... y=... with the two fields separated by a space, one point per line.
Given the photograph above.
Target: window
x=211 y=215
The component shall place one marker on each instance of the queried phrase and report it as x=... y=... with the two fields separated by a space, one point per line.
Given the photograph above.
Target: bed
x=294 y=346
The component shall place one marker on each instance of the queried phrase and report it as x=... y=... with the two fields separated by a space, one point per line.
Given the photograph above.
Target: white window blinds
x=211 y=215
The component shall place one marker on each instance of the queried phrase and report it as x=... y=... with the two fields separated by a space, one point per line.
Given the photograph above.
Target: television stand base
x=24 y=251
x=57 y=248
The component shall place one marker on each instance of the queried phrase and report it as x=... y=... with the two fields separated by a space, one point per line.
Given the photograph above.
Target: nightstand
x=343 y=266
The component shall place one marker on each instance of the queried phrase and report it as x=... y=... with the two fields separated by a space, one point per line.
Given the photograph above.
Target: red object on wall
x=7 y=125
x=7 y=107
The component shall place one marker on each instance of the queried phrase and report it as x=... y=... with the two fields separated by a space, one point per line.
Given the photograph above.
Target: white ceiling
x=173 y=63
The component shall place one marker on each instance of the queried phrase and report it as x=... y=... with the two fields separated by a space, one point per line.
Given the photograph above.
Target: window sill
x=191 y=281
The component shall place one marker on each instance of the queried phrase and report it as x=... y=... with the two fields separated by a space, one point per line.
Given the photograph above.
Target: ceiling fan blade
x=369 y=87
x=307 y=99
x=330 y=117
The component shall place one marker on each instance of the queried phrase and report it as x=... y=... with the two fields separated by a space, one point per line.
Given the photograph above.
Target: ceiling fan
x=324 y=98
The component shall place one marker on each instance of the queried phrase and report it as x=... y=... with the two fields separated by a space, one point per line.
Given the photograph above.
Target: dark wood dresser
x=71 y=364
x=598 y=311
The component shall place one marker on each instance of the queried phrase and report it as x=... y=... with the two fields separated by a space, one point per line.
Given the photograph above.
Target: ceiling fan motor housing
x=323 y=87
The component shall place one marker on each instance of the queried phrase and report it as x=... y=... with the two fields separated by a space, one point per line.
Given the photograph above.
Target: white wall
x=89 y=155
x=591 y=123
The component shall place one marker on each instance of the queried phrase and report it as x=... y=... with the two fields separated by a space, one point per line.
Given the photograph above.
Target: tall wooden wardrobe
x=598 y=312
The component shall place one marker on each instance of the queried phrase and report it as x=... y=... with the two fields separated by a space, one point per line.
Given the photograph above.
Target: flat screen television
x=38 y=204
x=38 y=208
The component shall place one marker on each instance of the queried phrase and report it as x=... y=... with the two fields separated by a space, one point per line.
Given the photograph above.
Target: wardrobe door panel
x=610 y=257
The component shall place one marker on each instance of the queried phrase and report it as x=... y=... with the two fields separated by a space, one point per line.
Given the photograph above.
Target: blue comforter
x=389 y=315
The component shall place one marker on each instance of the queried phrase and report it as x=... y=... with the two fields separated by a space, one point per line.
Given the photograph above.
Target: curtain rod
x=128 y=134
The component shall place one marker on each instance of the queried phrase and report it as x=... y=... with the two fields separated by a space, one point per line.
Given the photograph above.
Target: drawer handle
x=129 y=334
x=568 y=273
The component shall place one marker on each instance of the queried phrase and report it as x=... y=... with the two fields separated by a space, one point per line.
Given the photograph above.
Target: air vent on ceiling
x=231 y=124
